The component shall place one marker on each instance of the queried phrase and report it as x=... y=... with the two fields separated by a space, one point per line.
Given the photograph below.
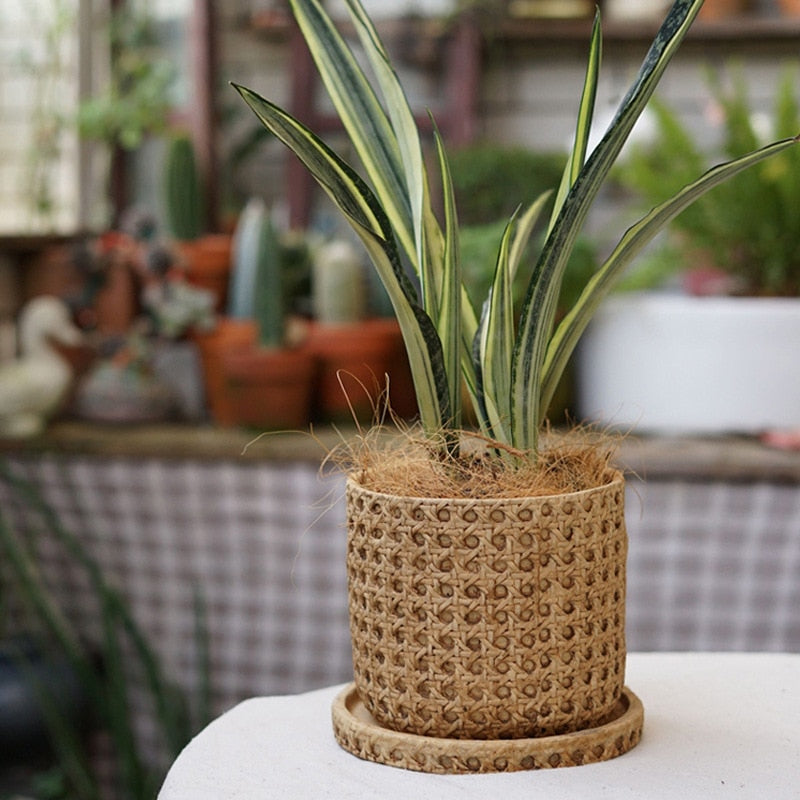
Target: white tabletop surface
x=716 y=726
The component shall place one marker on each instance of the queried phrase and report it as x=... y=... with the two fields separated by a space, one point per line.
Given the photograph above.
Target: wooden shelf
x=750 y=29
x=25 y=244
x=746 y=29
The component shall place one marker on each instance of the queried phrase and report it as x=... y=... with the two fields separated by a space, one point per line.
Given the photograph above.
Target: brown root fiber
x=406 y=463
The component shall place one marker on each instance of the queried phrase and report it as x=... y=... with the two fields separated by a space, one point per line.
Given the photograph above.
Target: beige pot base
x=358 y=733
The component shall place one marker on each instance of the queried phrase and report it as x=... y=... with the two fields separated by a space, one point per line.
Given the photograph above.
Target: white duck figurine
x=33 y=386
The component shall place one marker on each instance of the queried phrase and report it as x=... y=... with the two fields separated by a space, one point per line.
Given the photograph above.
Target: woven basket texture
x=488 y=619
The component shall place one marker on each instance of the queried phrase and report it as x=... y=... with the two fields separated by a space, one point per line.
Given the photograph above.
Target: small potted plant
x=356 y=351
x=714 y=352
x=486 y=572
x=268 y=385
x=206 y=256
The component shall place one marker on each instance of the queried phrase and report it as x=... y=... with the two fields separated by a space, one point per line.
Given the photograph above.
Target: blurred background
x=172 y=286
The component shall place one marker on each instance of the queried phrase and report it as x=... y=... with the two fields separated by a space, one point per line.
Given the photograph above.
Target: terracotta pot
x=229 y=335
x=207 y=264
x=117 y=303
x=353 y=361
x=488 y=619
x=268 y=388
x=713 y=10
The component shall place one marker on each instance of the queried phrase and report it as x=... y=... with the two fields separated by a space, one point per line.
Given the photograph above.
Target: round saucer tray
x=358 y=733
x=488 y=619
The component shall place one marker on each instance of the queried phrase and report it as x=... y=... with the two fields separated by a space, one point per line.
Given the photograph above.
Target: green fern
x=748 y=226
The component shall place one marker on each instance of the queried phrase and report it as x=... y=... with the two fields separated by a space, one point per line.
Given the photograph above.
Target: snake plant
x=510 y=365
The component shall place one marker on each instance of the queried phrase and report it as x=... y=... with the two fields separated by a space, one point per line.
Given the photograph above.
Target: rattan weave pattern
x=488 y=619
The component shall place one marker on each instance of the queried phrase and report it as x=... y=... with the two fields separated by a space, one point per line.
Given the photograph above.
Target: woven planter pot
x=488 y=619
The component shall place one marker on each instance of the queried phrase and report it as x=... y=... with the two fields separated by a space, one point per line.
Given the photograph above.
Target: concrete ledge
x=725 y=458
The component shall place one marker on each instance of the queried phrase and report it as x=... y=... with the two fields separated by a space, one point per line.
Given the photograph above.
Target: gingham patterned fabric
x=712 y=566
x=265 y=544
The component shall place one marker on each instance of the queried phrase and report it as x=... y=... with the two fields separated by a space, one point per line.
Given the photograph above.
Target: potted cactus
x=206 y=257
x=268 y=385
x=356 y=352
x=486 y=571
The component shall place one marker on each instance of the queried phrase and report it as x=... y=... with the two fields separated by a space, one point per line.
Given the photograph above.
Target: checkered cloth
x=263 y=542
x=712 y=566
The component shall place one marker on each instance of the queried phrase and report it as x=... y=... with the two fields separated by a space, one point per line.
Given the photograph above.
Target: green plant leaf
x=539 y=306
x=423 y=346
x=116 y=701
x=496 y=342
x=361 y=113
x=583 y=127
x=403 y=125
x=493 y=338
x=469 y=319
x=365 y=215
x=635 y=239
x=524 y=230
x=430 y=262
x=448 y=323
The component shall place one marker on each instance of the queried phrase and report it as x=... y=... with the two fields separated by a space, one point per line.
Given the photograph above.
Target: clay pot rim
x=245 y=362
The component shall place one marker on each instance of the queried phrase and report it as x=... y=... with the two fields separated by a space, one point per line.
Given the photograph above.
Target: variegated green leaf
x=362 y=210
x=469 y=327
x=524 y=230
x=538 y=310
x=402 y=120
x=496 y=343
x=362 y=115
x=425 y=355
x=435 y=242
x=469 y=330
x=635 y=239
x=336 y=177
x=448 y=323
x=583 y=127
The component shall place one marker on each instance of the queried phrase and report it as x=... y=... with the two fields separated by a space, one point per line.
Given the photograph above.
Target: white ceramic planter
x=674 y=364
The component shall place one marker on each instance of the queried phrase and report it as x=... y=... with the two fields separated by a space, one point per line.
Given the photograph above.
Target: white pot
x=674 y=364
x=627 y=10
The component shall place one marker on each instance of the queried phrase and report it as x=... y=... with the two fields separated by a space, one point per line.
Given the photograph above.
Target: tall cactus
x=257 y=285
x=182 y=190
x=269 y=289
